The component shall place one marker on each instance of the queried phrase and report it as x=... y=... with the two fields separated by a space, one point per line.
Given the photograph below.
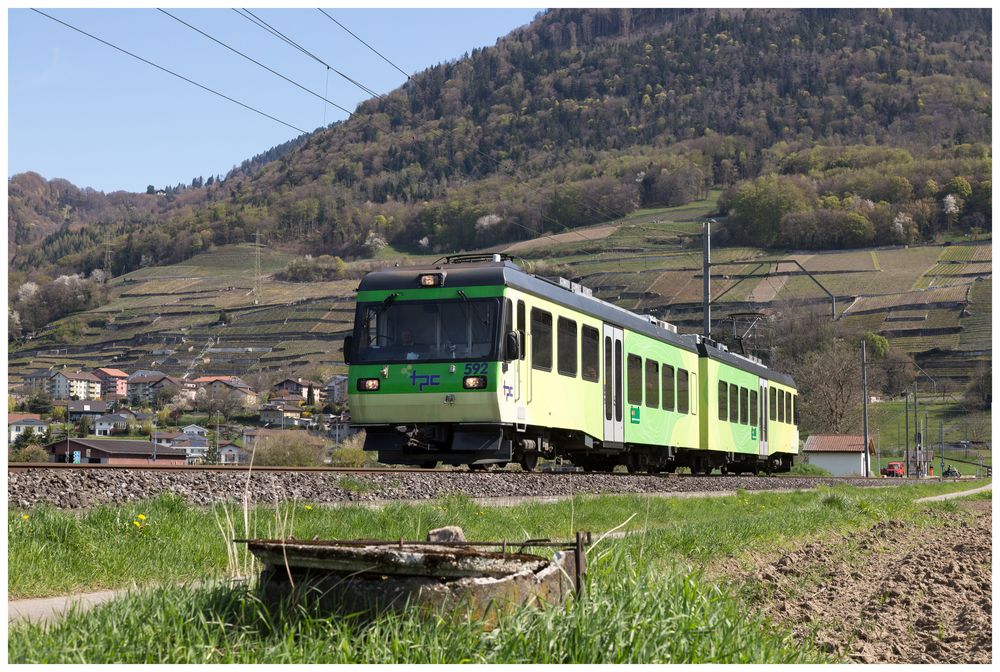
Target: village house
x=195 y=430
x=143 y=390
x=335 y=391
x=230 y=453
x=839 y=454
x=108 y=425
x=113 y=451
x=34 y=381
x=74 y=385
x=113 y=382
x=91 y=409
x=19 y=423
x=299 y=387
x=285 y=415
x=228 y=386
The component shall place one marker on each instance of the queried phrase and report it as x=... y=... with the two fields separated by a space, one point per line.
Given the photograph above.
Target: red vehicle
x=893 y=470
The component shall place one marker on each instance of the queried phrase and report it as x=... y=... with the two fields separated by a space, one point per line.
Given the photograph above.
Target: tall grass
x=628 y=615
x=54 y=552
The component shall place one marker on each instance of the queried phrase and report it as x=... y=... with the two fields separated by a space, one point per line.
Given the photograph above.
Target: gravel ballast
x=71 y=489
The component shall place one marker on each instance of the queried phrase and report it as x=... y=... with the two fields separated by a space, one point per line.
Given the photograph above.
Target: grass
x=647 y=600
x=887 y=419
x=55 y=552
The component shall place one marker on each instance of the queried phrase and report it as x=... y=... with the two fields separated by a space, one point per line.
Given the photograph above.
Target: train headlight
x=368 y=384
x=474 y=382
x=431 y=280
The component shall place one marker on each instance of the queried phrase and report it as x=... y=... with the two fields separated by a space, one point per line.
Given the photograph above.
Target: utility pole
x=906 y=433
x=706 y=287
x=864 y=393
x=256 y=269
x=916 y=429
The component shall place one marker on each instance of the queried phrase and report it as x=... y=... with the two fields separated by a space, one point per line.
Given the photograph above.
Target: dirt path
x=898 y=593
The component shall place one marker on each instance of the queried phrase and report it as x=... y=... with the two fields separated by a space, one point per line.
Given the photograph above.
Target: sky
x=83 y=111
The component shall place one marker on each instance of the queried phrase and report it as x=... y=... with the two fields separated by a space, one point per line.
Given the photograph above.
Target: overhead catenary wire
x=168 y=71
x=363 y=42
x=252 y=60
x=277 y=33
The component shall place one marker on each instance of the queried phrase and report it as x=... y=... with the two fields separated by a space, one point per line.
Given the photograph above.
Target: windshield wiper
x=472 y=303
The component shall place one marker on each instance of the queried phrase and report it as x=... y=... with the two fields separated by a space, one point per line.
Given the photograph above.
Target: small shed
x=839 y=454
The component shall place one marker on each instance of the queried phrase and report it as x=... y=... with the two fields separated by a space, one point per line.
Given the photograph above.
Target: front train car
x=429 y=361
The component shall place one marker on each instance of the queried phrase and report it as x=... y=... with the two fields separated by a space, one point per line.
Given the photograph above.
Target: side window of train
x=566 y=351
x=734 y=403
x=541 y=340
x=771 y=404
x=520 y=327
x=781 y=405
x=753 y=408
x=795 y=409
x=723 y=406
x=667 y=387
x=744 y=406
x=652 y=383
x=508 y=321
x=590 y=344
x=683 y=391
x=788 y=407
x=634 y=379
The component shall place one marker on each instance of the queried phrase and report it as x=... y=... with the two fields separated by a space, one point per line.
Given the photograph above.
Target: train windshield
x=393 y=332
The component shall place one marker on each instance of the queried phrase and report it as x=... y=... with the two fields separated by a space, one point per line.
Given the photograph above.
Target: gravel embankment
x=84 y=489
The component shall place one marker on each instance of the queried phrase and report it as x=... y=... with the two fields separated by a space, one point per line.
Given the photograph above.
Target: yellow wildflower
x=137 y=524
x=141 y=517
x=25 y=517
x=308 y=507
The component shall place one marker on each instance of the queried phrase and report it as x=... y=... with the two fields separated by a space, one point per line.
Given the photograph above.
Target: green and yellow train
x=474 y=361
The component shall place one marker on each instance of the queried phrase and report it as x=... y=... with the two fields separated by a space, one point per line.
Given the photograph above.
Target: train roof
x=563 y=292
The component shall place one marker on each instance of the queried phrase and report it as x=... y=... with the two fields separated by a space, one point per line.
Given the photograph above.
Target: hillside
x=582 y=117
x=200 y=317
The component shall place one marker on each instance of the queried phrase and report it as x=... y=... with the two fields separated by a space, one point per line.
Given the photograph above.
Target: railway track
x=196 y=468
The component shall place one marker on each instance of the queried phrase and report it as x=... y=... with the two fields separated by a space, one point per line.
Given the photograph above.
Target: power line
x=274 y=31
x=363 y=42
x=236 y=51
x=170 y=72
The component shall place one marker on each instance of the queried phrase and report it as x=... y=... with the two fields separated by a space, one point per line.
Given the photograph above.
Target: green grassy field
x=647 y=598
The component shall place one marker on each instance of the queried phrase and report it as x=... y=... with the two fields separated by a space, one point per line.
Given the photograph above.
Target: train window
x=753 y=407
x=608 y=368
x=590 y=363
x=634 y=379
x=734 y=403
x=723 y=406
x=683 y=393
x=788 y=407
x=667 y=387
x=771 y=403
x=566 y=342
x=541 y=340
x=652 y=383
x=781 y=405
x=744 y=406
x=520 y=327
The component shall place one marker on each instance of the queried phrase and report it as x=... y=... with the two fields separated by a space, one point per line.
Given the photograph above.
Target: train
x=473 y=361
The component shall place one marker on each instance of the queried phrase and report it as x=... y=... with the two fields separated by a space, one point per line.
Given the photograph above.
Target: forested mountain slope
x=584 y=116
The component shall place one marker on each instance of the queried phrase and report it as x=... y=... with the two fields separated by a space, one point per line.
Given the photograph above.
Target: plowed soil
x=898 y=593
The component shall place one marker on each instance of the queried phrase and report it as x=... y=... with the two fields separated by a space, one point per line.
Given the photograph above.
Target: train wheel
x=529 y=461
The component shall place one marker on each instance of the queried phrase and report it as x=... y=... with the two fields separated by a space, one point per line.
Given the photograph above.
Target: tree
x=310 y=396
x=290 y=449
x=151 y=190
x=877 y=346
x=25 y=438
x=40 y=403
x=829 y=383
x=83 y=426
x=979 y=393
x=896 y=372
x=31 y=453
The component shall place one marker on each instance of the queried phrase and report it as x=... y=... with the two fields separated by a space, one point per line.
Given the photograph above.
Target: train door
x=764 y=410
x=614 y=425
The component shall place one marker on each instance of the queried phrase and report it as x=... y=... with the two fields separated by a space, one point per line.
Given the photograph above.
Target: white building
x=74 y=385
x=840 y=454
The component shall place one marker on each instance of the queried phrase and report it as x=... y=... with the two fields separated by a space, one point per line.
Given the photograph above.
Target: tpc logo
x=424 y=380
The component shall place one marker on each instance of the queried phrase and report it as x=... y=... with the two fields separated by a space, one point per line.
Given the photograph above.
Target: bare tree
x=829 y=383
